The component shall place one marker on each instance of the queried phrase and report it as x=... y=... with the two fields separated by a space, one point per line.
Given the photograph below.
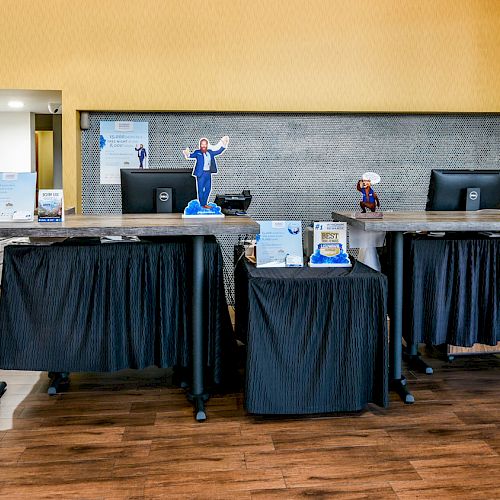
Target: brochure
x=50 y=205
x=17 y=196
x=279 y=244
x=330 y=245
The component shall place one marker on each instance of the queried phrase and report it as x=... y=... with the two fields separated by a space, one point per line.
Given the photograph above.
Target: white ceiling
x=35 y=101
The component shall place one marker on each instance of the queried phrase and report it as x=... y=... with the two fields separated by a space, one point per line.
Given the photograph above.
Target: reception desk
x=152 y=226
x=396 y=224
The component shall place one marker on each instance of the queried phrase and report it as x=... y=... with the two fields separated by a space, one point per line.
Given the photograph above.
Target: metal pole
x=398 y=381
x=197 y=394
x=397 y=305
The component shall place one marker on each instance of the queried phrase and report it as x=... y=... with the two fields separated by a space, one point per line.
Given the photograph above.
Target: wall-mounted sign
x=122 y=144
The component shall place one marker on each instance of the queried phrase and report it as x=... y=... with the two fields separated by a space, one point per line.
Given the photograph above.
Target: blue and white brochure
x=17 y=196
x=50 y=205
x=330 y=245
x=279 y=244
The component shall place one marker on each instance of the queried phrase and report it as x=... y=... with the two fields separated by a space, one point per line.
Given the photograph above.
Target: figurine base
x=369 y=215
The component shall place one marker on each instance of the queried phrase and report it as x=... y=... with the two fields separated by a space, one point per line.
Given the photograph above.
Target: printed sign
x=330 y=245
x=279 y=244
x=122 y=144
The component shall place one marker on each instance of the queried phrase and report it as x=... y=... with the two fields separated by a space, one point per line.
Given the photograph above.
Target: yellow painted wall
x=45 y=159
x=251 y=55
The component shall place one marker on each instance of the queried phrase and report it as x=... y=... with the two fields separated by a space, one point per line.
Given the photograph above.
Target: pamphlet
x=50 y=205
x=279 y=244
x=17 y=196
x=330 y=244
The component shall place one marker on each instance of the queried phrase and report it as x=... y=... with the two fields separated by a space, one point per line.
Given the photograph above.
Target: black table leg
x=197 y=395
x=3 y=388
x=398 y=381
x=415 y=361
x=59 y=381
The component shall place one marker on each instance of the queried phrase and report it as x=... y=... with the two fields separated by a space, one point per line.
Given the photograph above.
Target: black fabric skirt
x=452 y=290
x=317 y=338
x=87 y=306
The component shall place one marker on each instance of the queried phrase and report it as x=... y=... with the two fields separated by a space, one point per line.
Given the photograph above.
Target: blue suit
x=204 y=177
x=141 y=154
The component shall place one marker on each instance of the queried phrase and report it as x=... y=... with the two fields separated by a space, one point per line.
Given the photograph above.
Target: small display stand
x=329 y=243
x=50 y=205
x=279 y=244
x=17 y=196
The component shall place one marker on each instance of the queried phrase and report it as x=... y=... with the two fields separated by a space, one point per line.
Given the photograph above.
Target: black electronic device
x=156 y=190
x=464 y=190
x=234 y=204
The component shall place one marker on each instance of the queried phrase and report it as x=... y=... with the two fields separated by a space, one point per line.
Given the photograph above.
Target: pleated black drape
x=452 y=290
x=317 y=338
x=86 y=306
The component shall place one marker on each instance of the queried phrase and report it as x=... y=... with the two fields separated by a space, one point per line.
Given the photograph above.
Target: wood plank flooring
x=132 y=435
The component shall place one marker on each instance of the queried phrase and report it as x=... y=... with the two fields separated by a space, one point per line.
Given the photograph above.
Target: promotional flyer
x=122 y=144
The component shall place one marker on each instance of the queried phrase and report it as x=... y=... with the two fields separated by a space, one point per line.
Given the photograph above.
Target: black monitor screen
x=139 y=188
x=448 y=189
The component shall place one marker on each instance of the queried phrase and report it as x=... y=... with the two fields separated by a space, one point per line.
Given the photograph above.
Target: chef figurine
x=370 y=199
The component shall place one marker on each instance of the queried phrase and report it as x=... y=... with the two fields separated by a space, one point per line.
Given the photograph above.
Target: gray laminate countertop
x=480 y=220
x=130 y=225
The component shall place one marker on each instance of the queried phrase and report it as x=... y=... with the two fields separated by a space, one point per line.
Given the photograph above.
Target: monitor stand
x=472 y=199
x=163 y=200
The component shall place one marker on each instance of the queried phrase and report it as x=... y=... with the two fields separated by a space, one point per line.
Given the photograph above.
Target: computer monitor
x=156 y=190
x=448 y=190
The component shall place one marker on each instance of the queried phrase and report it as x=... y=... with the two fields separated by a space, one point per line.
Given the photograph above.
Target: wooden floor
x=129 y=435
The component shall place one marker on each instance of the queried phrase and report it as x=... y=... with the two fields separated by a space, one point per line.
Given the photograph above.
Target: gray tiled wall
x=301 y=166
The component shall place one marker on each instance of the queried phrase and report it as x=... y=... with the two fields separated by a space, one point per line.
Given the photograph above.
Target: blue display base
x=319 y=260
x=194 y=209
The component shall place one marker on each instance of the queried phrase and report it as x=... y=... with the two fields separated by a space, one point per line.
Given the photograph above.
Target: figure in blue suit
x=141 y=154
x=205 y=166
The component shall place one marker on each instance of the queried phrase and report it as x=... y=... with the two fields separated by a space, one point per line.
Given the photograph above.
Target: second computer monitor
x=156 y=190
x=448 y=189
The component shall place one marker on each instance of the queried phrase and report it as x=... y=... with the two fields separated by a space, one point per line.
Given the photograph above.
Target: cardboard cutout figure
x=205 y=165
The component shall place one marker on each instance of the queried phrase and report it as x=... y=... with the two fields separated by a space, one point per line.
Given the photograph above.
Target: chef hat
x=372 y=177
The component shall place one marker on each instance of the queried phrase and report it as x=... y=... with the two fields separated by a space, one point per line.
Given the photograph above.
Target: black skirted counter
x=87 y=306
x=316 y=338
x=452 y=289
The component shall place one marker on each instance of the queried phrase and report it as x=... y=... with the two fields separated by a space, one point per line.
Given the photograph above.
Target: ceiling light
x=15 y=104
